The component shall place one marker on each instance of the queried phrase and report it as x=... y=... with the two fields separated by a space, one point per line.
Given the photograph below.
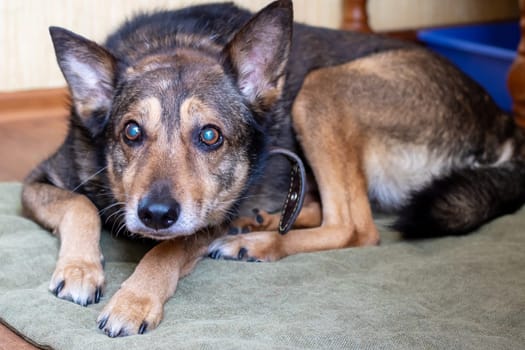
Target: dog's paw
x=78 y=279
x=129 y=313
x=260 y=221
x=252 y=247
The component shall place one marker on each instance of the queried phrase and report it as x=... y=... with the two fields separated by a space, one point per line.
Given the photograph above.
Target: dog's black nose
x=158 y=213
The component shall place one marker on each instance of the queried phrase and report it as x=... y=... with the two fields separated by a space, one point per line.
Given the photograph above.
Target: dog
x=175 y=122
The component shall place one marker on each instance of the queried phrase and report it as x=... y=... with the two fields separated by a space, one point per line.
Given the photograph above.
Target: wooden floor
x=11 y=341
x=23 y=144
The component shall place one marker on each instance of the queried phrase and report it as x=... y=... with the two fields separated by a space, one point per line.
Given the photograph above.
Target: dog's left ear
x=89 y=70
x=259 y=52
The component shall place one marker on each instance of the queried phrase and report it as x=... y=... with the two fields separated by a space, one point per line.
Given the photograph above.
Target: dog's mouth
x=161 y=228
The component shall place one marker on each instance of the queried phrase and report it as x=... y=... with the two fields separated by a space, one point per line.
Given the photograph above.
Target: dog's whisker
x=120 y=222
x=103 y=210
x=119 y=217
x=89 y=178
x=122 y=229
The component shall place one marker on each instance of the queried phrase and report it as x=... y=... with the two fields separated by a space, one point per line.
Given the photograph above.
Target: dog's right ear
x=89 y=70
x=258 y=54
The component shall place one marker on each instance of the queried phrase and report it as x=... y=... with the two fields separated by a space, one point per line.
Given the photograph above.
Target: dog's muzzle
x=159 y=211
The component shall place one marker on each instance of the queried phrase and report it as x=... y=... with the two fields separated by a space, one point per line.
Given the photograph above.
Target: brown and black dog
x=172 y=124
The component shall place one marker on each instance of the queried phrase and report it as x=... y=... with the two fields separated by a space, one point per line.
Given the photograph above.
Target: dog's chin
x=160 y=235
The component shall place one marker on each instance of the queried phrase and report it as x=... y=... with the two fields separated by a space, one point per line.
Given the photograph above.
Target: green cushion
x=457 y=292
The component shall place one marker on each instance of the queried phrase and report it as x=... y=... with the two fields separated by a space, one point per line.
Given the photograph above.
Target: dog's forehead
x=181 y=64
x=172 y=77
x=169 y=81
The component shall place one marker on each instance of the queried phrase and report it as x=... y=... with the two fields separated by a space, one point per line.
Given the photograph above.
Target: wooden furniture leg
x=516 y=77
x=355 y=16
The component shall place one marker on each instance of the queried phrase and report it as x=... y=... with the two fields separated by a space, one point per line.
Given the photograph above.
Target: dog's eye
x=132 y=132
x=211 y=136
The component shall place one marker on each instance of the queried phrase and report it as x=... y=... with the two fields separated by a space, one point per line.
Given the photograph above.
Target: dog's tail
x=463 y=201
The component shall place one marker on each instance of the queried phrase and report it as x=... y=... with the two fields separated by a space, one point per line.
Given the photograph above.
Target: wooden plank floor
x=11 y=341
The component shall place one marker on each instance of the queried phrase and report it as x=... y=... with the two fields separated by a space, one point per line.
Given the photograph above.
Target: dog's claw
x=216 y=254
x=108 y=330
x=143 y=327
x=253 y=247
x=102 y=323
x=98 y=294
x=114 y=334
x=78 y=280
x=59 y=287
x=242 y=252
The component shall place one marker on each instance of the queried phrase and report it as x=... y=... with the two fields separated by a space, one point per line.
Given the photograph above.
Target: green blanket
x=449 y=293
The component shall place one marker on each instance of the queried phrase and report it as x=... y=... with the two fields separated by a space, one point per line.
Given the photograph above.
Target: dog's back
x=435 y=147
x=204 y=27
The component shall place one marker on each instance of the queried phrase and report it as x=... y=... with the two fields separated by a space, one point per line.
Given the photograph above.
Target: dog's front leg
x=78 y=275
x=139 y=303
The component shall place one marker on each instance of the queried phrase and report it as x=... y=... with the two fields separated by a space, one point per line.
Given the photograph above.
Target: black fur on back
x=463 y=201
x=150 y=33
x=312 y=47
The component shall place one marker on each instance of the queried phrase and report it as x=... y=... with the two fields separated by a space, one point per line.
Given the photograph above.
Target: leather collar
x=296 y=191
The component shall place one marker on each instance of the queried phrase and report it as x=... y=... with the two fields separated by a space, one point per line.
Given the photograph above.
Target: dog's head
x=181 y=128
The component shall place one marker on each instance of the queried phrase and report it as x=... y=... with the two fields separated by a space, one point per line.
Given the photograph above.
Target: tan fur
x=309 y=216
x=76 y=221
x=334 y=151
x=147 y=113
x=204 y=190
x=142 y=296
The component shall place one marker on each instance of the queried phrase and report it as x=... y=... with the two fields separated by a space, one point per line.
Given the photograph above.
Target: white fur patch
x=394 y=172
x=507 y=150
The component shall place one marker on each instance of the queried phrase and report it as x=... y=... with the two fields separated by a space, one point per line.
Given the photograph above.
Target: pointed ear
x=89 y=70
x=259 y=52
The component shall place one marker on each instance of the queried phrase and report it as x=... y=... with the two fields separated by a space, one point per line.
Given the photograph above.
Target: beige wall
x=26 y=55
x=27 y=60
x=408 y=14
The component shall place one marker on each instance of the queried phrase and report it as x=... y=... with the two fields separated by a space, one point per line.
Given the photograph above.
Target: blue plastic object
x=484 y=52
